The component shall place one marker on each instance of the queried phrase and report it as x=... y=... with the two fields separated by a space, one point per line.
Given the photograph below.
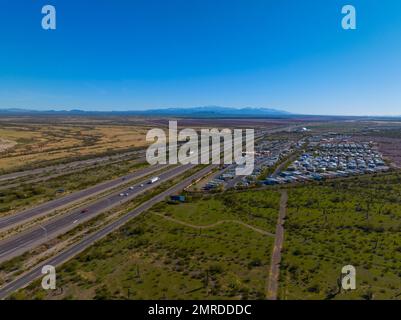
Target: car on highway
x=84 y=210
x=154 y=179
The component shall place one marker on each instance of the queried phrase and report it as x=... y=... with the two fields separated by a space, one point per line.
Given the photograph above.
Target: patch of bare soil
x=6 y=144
x=389 y=147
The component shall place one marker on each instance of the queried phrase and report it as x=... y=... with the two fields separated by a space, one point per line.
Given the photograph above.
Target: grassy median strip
x=14 y=267
x=29 y=195
x=74 y=206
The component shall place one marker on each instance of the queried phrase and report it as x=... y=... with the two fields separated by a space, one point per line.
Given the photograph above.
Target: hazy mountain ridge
x=193 y=111
x=217 y=110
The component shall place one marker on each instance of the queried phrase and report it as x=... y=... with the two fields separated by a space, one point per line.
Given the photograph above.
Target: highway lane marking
x=8 y=251
x=85 y=243
x=170 y=173
x=54 y=204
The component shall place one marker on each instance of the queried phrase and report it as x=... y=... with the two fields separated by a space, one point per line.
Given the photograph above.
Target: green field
x=219 y=247
x=216 y=247
x=355 y=221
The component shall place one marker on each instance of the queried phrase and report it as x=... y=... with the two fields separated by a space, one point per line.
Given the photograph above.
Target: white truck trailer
x=154 y=179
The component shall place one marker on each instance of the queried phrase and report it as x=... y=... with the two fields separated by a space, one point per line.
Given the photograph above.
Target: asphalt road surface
x=26 y=240
x=38 y=211
x=60 y=173
x=72 y=251
x=66 y=166
x=75 y=164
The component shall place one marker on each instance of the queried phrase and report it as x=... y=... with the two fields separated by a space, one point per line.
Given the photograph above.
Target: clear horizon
x=166 y=108
x=139 y=55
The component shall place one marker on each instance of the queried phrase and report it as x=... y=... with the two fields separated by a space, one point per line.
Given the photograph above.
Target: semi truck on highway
x=153 y=180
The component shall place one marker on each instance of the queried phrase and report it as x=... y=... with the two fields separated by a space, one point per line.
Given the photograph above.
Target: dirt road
x=272 y=287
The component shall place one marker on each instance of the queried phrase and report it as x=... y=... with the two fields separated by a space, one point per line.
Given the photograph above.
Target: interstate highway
x=26 y=240
x=40 y=210
x=89 y=240
x=67 y=166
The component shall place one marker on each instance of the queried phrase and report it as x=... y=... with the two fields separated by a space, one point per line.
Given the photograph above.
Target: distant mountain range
x=191 y=112
x=208 y=111
x=216 y=111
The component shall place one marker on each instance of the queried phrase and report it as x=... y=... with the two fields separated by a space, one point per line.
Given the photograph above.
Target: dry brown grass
x=25 y=144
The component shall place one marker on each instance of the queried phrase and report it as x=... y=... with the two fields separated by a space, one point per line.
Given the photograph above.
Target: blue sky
x=139 y=54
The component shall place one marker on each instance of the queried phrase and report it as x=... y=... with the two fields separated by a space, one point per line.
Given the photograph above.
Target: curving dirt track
x=216 y=224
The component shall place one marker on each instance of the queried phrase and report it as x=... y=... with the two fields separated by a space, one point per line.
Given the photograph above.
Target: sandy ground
x=6 y=144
